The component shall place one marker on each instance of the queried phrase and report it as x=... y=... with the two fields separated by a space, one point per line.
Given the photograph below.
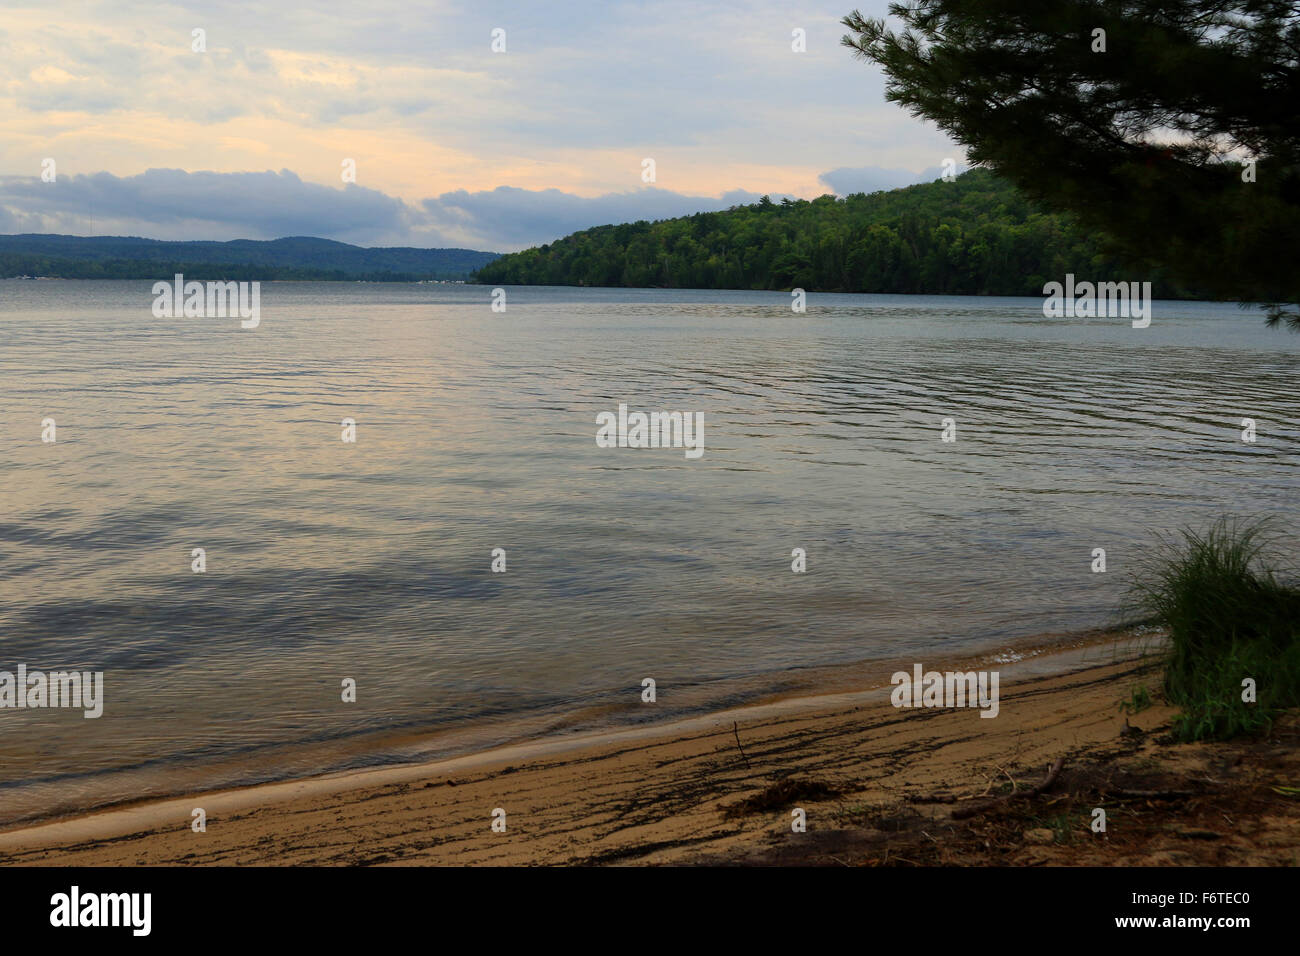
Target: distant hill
x=976 y=235
x=298 y=257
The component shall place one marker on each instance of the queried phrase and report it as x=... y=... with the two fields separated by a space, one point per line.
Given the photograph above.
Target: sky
x=453 y=143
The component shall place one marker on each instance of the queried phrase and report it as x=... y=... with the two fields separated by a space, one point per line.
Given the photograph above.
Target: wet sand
x=648 y=794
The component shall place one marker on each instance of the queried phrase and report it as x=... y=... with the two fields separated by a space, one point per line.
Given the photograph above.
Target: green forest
x=295 y=257
x=17 y=264
x=975 y=235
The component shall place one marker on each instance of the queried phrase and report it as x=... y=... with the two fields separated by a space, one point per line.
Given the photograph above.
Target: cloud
x=175 y=204
x=515 y=218
x=868 y=179
x=865 y=179
x=412 y=91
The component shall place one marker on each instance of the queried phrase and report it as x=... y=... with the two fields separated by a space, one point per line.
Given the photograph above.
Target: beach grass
x=1233 y=618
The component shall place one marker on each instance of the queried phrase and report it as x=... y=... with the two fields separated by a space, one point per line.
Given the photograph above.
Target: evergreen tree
x=1170 y=127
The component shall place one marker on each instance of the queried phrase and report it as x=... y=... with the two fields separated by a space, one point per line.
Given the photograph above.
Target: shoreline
x=408 y=747
x=836 y=691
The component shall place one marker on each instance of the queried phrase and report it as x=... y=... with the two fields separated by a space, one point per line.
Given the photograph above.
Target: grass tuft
x=1230 y=617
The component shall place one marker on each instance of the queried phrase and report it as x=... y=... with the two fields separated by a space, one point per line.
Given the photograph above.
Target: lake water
x=371 y=560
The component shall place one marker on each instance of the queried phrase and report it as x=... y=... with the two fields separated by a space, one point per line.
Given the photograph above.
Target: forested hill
x=299 y=257
x=976 y=235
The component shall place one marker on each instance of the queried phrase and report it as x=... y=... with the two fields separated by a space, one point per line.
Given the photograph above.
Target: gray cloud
x=515 y=218
x=868 y=179
x=865 y=179
x=174 y=204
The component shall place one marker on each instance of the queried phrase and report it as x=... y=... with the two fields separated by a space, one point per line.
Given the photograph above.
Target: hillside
x=292 y=258
x=976 y=235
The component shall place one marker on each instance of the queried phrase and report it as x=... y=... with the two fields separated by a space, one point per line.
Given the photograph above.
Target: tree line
x=13 y=265
x=974 y=235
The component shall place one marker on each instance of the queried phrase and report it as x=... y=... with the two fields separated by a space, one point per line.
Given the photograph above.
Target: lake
x=371 y=560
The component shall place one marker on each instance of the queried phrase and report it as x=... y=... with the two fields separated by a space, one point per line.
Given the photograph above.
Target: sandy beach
x=878 y=785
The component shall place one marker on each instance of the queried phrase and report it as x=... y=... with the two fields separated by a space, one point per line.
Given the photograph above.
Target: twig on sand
x=735 y=729
x=962 y=813
x=1051 y=776
x=1014 y=785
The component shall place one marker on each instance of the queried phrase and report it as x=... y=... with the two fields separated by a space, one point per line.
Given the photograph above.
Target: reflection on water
x=476 y=431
